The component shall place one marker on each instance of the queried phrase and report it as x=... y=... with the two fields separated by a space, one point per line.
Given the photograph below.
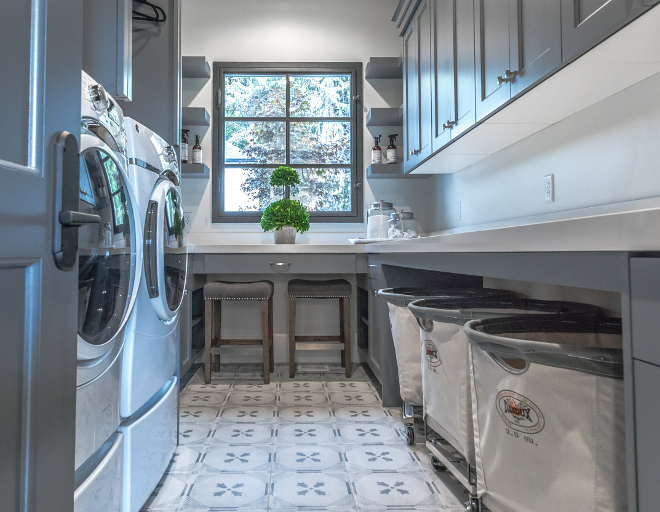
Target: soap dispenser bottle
x=391 y=149
x=197 y=151
x=184 y=147
x=376 y=152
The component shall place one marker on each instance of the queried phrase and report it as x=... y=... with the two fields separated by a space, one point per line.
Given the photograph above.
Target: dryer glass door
x=106 y=251
x=165 y=250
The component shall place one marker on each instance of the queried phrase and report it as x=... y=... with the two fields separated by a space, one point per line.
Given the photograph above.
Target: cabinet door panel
x=492 y=52
x=410 y=97
x=444 y=88
x=647 y=417
x=535 y=40
x=586 y=22
x=426 y=79
x=464 y=40
x=375 y=334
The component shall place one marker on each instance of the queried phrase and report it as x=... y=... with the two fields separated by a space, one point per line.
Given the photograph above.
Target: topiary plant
x=285 y=212
x=284 y=176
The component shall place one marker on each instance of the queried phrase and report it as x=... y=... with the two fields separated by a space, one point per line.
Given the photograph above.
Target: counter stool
x=333 y=289
x=214 y=294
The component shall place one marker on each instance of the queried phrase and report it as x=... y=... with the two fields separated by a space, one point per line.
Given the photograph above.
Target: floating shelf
x=384 y=68
x=390 y=172
x=195 y=67
x=385 y=117
x=194 y=171
x=195 y=116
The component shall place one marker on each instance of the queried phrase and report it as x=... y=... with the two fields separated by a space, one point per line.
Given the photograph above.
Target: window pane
x=324 y=190
x=323 y=142
x=248 y=189
x=255 y=142
x=321 y=96
x=255 y=96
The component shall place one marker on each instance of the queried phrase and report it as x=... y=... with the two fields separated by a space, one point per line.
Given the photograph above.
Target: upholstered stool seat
x=214 y=294
x=331 y=289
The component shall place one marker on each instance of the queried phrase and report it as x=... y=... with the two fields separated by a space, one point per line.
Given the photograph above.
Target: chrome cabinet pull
x=280 y=264
x=448 y=125
x=508 y=77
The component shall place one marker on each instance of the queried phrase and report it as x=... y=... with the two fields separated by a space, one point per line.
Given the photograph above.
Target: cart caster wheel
x=437 y=465
x=410 y=435
x=473 y=505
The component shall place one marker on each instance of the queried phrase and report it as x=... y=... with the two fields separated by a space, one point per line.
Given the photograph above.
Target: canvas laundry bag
x=547 y=397
x=446 y=358
x=406 y=333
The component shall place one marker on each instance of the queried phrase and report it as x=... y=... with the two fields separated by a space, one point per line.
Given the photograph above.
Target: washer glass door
x=107 y=256
x=165 y=250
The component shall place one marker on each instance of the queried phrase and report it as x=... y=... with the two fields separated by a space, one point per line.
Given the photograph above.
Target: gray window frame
x=286 y=68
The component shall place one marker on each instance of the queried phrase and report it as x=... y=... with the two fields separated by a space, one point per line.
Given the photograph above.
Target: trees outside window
x=305 y=116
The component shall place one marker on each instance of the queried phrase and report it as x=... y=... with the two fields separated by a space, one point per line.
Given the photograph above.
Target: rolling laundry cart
x=407 y=343
x=446 y=374
x=548 y=413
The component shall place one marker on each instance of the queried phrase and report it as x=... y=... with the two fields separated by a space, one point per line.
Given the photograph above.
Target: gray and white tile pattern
x=313 y=443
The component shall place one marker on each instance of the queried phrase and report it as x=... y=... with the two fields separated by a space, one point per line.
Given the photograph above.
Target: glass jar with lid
x=409 y=226
x=377 y=219
x=394 y=226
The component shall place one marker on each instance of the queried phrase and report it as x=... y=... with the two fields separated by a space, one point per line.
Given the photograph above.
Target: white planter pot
x=286 y=235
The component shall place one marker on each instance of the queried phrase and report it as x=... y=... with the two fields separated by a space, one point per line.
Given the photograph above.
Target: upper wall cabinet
x=517 y=43
x=157 y=73
x=453 y=66
x=586 y=22
x=107 y=45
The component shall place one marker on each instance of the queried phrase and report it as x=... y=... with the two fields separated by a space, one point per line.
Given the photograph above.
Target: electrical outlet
x=457 y=211
x=550 y=188
x=187 y=218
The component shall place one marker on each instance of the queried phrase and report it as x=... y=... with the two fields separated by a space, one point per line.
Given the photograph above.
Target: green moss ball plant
x=287 y=211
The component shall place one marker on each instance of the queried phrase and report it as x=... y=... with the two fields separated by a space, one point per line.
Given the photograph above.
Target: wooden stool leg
x=217 y=342
x=341 y=330
x=208 y=336
x=292 y=337
x=270 y=334
x=346 y=334
x=265 y=343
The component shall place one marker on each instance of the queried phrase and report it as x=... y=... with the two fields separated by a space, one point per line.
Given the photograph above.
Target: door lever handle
x=76 y=219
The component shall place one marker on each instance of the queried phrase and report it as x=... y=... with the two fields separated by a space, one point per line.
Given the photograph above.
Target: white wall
x=292 y=31
x=608 y=153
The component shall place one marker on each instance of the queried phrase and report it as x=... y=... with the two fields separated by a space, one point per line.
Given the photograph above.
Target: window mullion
x=288 y=118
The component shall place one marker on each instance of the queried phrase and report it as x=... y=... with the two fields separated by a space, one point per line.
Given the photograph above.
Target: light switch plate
x=550 y=188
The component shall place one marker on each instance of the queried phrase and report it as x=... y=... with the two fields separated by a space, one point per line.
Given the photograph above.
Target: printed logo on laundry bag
x=431 y=354
x=519 y=412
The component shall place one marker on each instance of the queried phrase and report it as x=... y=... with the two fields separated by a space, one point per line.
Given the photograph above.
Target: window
x=306 y=116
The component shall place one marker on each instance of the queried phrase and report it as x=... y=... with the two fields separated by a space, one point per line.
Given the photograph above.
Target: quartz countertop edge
x=595 y=229
x=278 y=249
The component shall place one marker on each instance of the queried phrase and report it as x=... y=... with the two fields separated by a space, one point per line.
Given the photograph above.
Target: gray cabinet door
x=444 y=61
x=426 y=77
x=492 y=55
x=107 y=45
x=41 y=59
x=645 y=302
x=464 y=96
x=410 y=98
x=585 y=23
x=157 y=73
x=647 y=418
x=375 y=322
x=535 y=40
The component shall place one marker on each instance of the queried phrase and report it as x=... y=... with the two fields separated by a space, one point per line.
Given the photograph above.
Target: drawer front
x=279 y=263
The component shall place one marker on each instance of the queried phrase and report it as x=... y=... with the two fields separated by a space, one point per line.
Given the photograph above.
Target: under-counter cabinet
x=518 y=42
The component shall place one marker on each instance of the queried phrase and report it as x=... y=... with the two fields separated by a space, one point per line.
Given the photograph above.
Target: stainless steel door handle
x=280 y=264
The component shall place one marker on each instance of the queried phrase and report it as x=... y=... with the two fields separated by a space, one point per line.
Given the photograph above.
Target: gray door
x=444 y=87
x=587 y=22
x=492 y=55
x=410 y=98
x=535 y=40
x=426 y=78
x=39 y=98
x=464 y=54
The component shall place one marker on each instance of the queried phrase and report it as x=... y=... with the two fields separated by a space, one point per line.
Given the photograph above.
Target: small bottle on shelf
x=184 y=147
x=376 y=152
x=391 y=149
x=197 y=151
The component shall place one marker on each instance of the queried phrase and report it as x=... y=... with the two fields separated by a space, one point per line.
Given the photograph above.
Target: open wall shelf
x=384 y=68
x=385 y=117
x=195 y=67
x=195 y=116
x=389 y=172
x=194 y=171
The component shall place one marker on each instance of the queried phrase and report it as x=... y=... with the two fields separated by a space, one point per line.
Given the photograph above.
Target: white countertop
x=630 y=226
x=278 y=249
